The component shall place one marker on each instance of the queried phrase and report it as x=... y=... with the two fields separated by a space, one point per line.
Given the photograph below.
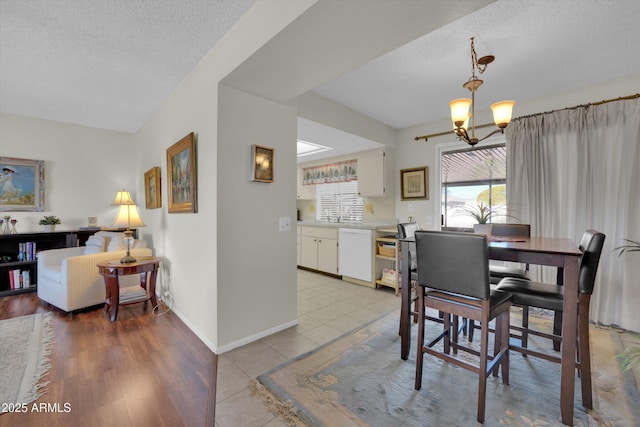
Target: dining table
x=547 y=251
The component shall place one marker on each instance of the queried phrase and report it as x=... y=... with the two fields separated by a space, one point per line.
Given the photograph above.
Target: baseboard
x=251 y=338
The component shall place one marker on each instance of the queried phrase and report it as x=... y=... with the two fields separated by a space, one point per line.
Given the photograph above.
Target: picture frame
x=262 y=163
x=414 y=183
x=21 y=185
x=152 y=188
x=181 y=176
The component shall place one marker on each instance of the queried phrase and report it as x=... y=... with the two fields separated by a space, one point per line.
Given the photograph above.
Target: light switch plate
x=284 y=223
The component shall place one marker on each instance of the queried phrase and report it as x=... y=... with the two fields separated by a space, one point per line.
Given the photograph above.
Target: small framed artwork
x=152 y=188
x=261 y=163
x=181 y=175
x=414 y=183
x=21 y=185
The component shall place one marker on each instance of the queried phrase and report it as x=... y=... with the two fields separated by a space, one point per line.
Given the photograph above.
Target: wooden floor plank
x=141 y=370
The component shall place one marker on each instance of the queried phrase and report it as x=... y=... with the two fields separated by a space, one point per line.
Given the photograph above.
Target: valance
x=335 y=172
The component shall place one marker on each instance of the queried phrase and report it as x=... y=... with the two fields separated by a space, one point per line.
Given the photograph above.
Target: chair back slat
x=591 y=246
x=511 y=230
x=453 y=262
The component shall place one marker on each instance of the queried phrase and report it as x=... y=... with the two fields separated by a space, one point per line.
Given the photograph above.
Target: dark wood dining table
x=556 y=252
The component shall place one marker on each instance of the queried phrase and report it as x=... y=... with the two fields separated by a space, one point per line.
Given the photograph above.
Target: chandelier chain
x=474 y=62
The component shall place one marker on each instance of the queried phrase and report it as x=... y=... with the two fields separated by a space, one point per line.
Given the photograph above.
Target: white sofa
x=68 y=278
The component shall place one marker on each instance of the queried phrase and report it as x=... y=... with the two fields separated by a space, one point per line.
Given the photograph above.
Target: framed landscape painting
x=414 y=183
x=181 y=175
x=21 y=185
x=152 y=188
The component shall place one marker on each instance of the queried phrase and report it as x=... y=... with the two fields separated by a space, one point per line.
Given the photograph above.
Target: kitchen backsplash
x=375 y=209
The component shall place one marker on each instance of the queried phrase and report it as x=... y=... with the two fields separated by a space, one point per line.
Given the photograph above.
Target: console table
x=146 y=267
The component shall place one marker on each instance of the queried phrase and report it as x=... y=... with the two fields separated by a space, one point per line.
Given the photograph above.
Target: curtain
x=576 y=169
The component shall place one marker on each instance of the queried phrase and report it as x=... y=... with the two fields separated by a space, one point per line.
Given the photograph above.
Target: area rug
x=25 y=346
x=360 y=380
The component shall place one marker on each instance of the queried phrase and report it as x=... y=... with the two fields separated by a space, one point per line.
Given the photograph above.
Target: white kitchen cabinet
x=319 y=249
x=305 y=192
x=373 y=174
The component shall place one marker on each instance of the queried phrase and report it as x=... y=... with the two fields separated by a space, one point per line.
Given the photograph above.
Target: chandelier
x=460 y=114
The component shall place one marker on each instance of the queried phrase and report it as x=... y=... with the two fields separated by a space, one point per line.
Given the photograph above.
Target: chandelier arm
x=491 y=134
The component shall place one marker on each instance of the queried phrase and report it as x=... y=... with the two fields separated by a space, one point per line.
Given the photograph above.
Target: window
x=471 y=178
x=338 y=201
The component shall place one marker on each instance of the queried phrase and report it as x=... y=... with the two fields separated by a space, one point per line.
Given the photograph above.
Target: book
x=16 y=279
x=12 y=279
x=26 y=279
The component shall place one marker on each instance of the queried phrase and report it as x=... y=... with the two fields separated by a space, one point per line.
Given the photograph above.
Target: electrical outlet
x=284 y=223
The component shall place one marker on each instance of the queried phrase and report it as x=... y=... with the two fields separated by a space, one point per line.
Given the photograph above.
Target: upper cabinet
x=305 y=192
x=373 y=173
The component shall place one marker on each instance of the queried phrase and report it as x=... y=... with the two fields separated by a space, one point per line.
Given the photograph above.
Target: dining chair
x=499 y=272
x=453 y=278
x=405 y=230
x=549 y=296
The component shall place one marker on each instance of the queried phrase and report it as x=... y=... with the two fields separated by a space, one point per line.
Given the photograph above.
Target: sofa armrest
x=54 y=257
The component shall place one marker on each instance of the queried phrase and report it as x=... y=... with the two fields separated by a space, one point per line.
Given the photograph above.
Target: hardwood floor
x=141 y=370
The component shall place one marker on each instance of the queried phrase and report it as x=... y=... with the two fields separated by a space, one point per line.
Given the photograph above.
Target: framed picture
x=21 y=185
x=152 y=188
x=181 y=175
x=414 y=183
x=261 y=164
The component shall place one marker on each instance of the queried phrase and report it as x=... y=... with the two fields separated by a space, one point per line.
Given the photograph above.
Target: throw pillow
x=115 y=240
x=94 y=245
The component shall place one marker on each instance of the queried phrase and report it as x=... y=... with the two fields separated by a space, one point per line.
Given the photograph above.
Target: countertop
x=366 y=225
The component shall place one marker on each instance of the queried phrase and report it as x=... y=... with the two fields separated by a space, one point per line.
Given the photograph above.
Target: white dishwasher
x=355 y=253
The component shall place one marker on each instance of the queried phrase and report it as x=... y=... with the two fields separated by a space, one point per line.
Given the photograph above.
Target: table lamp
x=127 y=216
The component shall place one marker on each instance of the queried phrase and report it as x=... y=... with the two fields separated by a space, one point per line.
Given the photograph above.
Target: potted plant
x=484 y=215
x=49 y=222
x=631 y=356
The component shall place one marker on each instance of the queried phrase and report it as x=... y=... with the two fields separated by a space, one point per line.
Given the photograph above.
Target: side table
x=112 y=270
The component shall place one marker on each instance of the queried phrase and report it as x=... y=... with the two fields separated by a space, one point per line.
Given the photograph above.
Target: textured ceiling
x=110 y=63
x=541 y=47
x=103 y=63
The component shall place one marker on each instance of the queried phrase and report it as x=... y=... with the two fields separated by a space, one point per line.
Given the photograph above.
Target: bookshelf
x=9 y=255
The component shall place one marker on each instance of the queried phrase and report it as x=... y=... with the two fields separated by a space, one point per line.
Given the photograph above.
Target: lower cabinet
x=319 y=249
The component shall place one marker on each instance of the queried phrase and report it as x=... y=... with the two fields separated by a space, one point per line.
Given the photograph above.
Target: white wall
x=256 y=262
x=84 y=167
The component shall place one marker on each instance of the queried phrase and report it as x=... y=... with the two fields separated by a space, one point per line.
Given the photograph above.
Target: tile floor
x=327 y=308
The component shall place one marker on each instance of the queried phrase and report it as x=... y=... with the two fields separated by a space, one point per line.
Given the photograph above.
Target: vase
x=482 y=229
x=50 y=227
x=13 y=226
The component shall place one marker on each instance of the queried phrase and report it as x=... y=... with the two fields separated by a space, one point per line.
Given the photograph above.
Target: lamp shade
x=122 y=198
x=460 y=110
x=502 y=113
x=128 y=216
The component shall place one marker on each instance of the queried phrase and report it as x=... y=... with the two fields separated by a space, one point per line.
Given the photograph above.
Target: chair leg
x=525 y=326
x=584 y=349
x=447 y=337
x=482 y=382
x=420 y=355
x=504 y=343
x=557 y=328
x=472 y=326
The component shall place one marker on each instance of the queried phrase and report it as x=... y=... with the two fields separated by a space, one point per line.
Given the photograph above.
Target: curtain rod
x=620 y=98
